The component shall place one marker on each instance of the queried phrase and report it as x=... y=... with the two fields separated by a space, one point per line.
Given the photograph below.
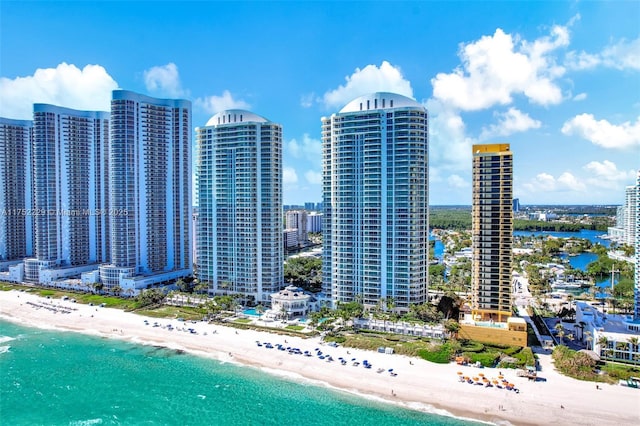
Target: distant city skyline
x=558 y=81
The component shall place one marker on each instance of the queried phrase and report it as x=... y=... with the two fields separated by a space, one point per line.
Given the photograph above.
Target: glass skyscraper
x=70 y=180
x=239 y=187
x=375 y=201
x=16 y=192
x=150 y=191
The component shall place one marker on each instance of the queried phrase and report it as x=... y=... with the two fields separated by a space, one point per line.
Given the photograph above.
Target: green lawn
x=295 y=327
x=242 y=320
x=171 y=312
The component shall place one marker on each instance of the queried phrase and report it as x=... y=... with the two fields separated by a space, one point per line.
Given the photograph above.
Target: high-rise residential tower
x=630 y=216
x=150 y=191
x=239 y=228
x=636 y=311
x=70 y=179
x=16 y=205
x=492 y=232
x=297 y=219
x=375 y=201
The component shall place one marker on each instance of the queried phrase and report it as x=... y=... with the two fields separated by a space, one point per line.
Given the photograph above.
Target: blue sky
x=559 y=81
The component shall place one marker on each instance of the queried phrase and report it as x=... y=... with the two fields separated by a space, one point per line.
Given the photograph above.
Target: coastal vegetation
x=304 y=272
x=459 y=219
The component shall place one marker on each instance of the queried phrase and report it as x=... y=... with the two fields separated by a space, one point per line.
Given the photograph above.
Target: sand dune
x=418 y=384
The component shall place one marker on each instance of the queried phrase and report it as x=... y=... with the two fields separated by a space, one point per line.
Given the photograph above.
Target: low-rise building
x=614 y=337
x=291 y=302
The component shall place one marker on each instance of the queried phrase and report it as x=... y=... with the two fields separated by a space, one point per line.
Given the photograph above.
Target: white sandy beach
x=419 y=384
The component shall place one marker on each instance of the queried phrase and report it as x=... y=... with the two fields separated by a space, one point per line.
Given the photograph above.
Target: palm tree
x=452 y=328
x=589 y=339
x=603 y=342
x=571 y=337
x=560 y=331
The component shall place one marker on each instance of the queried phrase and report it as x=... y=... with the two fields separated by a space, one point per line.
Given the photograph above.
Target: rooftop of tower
x=379 y=100
x=235 y=116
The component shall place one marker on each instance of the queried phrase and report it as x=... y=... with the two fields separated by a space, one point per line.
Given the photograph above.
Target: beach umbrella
x=475 y=379
x=481 y=374
x=460 y=373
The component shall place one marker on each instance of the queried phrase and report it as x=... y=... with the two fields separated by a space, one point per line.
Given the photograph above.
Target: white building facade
x=375 y=187
x=297 y=219
x=239 y=229
x=70 y=200
x=16 y=192
x=314 y=222
x=150 y=192
x=636 y=311
x=630 y=215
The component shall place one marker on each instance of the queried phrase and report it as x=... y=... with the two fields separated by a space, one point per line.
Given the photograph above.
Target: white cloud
x=568 y=181
x=164 y=80
x=308 y=148
x=313 y=177
x=621 y=56
x=602 y=132
x=545 y=183
x=214 y=104
x=497 y=67
x=371 y=78
x=605 y=174
x=306 y=101
x=456 y=181
x=597 y=180
x=510 y=122
x=289 y=176
x=449 y=146
x=66 y=85
x=580 y=97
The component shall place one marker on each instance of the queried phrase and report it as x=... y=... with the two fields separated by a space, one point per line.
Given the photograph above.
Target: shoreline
x=419 y=384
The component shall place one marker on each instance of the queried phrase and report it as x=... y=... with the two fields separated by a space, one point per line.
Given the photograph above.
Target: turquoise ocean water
x=63 y=378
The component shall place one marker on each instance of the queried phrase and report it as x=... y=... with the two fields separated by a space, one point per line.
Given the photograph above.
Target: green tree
x=304 y=272
x=452 y=327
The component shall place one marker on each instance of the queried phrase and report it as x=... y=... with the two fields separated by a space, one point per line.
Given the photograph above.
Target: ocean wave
x=5 y=339
x=85 y=422
x=4 y=349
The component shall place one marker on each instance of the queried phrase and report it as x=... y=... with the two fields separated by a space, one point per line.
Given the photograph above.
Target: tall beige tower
x=492 y=232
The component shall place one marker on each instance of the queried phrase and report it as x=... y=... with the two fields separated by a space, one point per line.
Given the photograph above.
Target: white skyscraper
x=239 y=229
x=70 y=176
x=314 y=222
x=636 y=312
x=375 y=187
x=150 y=191
x=16 y=205
x=630 y=216
x=297 y=219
